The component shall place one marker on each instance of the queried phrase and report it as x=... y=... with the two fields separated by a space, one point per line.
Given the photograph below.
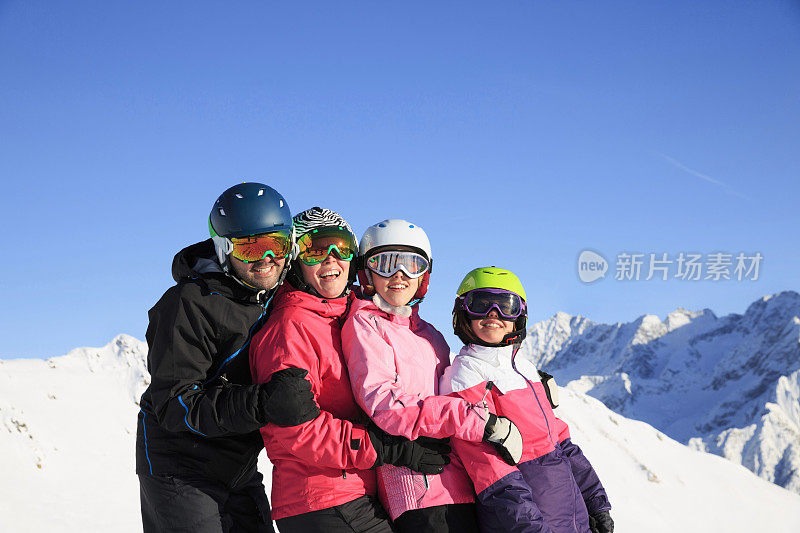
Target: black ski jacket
x=200 y=415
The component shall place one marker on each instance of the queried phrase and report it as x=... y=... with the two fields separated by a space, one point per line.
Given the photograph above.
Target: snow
x=729 y=385
x=67 y=434
x=68 y=430
x=658 y=484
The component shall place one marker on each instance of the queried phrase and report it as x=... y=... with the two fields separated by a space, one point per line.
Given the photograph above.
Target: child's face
x=491 y=328
x=398 y=289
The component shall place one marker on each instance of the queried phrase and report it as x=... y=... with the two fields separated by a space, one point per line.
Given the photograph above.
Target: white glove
x=504 y=435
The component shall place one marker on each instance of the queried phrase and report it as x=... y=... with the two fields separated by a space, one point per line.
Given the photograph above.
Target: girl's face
x=398 y=289
x=491 y=328
x=329 y=278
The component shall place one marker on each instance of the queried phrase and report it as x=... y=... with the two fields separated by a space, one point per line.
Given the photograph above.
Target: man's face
x=262 y=274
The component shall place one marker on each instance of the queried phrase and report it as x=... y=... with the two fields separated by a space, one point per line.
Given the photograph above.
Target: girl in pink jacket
x=554 y=488
x=323 y=477
x=395 y=360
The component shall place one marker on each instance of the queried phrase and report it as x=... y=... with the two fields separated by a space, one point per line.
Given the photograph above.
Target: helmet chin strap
x=510 y=338
x=286 y=268
x=365 y=278
x=467 y=336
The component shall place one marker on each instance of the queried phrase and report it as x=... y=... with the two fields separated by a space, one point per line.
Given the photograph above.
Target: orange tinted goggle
x=254 y=248
x=314 y=246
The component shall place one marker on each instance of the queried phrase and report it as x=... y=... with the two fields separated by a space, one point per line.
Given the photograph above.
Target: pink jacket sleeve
x=326 y=440
x=482 y=463
x=378 y=389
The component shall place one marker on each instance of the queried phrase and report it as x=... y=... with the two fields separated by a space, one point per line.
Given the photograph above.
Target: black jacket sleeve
x=184 y=336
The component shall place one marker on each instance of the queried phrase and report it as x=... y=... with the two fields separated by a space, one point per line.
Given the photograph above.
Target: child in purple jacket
x=553 y=488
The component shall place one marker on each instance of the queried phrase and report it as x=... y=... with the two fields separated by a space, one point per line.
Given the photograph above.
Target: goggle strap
x=222 y=246
x=293 y=253
x=223 y=243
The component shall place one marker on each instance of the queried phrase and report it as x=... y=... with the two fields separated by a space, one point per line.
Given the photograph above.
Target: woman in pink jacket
x=395 y=360
x=323 y=477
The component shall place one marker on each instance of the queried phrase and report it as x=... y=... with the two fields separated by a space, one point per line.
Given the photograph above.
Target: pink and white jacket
x=554 y=488
x=395 y=360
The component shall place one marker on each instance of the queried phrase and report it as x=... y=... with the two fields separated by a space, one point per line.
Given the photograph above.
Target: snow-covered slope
x=729 y=385
x=67 y=434
x=658 y=484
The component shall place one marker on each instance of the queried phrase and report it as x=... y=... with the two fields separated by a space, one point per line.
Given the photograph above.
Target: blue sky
x=516 y=134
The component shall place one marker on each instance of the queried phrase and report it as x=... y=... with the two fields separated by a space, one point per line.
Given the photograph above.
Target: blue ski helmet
x=246 y=209
x=249 y=209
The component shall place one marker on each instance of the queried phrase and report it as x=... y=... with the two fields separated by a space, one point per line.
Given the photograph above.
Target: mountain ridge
x=727 y=385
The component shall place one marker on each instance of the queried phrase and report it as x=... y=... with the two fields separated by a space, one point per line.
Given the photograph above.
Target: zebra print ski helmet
x=316 y=218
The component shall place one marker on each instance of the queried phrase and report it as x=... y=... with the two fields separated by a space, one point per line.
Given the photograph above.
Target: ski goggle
x=317 y=244
x=387 y=264
x=253 y=248
x=479 y=302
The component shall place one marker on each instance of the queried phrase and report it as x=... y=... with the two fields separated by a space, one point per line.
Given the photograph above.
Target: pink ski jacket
x=327 y=461
x=554 y=488
x=395 y=363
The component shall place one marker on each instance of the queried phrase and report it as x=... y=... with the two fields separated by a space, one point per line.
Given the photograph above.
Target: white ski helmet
x=389 y=235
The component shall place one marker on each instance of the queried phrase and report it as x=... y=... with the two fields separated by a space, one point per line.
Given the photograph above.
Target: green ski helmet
x=488 y=278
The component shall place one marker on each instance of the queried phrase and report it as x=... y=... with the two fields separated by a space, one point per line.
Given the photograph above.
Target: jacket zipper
x=550 y=434
x=254 y=460
x=514 y=366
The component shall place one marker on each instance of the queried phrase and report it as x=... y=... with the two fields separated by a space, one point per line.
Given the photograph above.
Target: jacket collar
x=494 y=355
x=386 y=307
x=381 y=307
x=327 y=307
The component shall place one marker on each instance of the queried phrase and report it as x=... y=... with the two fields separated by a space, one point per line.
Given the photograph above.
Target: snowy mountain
x=68 y=425
x=729 y=385
x=67 y=436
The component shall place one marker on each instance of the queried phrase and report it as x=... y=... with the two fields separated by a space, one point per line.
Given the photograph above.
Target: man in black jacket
x=197 y=438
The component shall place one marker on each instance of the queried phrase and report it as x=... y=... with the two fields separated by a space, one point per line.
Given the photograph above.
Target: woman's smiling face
x=329 y=277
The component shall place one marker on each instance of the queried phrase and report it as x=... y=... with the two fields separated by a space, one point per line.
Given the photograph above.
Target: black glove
x=286 y=399
x=424 y=455
x=601 y=523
